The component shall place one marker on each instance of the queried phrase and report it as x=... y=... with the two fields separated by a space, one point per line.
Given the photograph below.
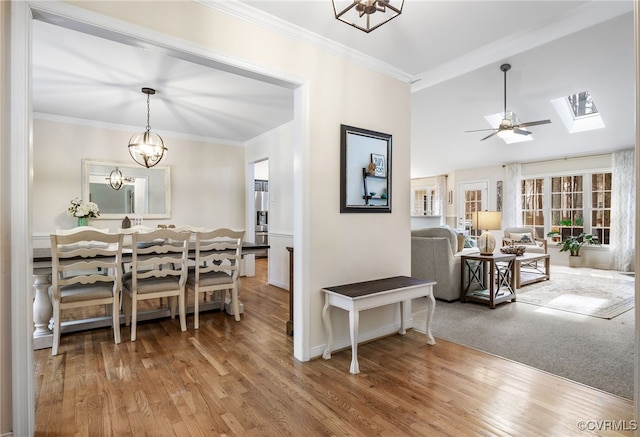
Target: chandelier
x=147 y=148
x=366 y=15
x=117 y=180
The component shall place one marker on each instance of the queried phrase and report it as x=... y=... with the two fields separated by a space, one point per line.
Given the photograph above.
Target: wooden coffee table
x=527 y=268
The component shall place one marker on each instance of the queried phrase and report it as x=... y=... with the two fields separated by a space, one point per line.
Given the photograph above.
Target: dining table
x=43 y=307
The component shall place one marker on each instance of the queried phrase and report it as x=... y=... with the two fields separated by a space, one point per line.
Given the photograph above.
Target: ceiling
x=450 y=52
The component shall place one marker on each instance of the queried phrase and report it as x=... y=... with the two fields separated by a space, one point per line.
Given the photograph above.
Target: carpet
x=596 y=296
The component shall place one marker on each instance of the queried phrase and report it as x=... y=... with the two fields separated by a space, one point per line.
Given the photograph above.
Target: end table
x=494 y=274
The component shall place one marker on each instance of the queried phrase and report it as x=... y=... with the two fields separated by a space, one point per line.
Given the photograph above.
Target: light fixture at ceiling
x=147 y=148
x=366 y=15
x=117 y=180
x=506 y=133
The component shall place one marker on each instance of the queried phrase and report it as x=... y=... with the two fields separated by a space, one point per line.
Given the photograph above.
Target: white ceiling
x=449 y=50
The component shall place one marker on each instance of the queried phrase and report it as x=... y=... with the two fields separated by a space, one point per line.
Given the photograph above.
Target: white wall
x=207 y=180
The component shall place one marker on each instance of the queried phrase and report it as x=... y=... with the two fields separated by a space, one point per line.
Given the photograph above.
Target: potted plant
x=572 y=244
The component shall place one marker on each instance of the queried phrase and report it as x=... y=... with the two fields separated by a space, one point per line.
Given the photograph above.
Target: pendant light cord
x=148 y=111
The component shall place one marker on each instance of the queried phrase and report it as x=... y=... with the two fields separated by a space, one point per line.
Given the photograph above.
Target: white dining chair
x=217 y=267
x=158 y=270
x=79 y=229
x=133 y=230
x=85 y=272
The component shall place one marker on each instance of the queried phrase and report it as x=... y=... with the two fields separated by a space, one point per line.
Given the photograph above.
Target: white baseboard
x=280 y=284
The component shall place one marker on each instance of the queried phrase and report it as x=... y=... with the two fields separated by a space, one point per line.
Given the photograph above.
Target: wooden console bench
x=370 y=294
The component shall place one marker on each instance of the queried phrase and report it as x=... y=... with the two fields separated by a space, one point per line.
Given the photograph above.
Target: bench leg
x=326 y=318
x=431 y=307
x=402 y=330
x=354 y=320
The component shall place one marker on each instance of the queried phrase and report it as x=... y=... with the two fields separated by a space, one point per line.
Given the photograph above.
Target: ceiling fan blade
x=534 y=123
x=478 y=130
x=517 y=130
x=489 y=136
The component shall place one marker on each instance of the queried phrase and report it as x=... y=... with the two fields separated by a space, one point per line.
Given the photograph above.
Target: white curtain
x=511 y=205
x=623 y=204
x=440 y=201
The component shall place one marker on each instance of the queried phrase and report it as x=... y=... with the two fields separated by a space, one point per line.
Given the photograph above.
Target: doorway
x=472 y=197
x=20 y=165
x=261 y=204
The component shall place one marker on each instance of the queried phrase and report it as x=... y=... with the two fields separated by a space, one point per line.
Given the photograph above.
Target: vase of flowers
x=83 y=211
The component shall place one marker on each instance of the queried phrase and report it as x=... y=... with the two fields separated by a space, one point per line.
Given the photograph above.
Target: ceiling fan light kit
x=509 y=124
x=367 y=15
x=147 y=148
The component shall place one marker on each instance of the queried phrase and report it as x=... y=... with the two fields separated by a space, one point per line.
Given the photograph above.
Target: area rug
x=604 y=297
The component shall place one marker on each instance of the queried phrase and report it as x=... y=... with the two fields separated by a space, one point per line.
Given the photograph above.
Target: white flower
x=80 y=209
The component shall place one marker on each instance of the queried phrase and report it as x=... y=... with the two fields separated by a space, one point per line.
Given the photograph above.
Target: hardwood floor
x=240 y=379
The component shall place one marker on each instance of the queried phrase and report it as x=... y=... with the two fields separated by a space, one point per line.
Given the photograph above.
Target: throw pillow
x=468 y=242
x=524 y=238
x=461 y=239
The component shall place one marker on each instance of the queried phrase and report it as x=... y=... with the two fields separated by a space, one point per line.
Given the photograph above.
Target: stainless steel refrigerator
x=262 y=211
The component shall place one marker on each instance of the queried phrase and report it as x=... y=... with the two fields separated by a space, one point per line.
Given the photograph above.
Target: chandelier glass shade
x=367 y=15
x=115 y=179
x=147 y=148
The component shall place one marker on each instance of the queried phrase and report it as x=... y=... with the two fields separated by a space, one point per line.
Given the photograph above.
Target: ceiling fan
x=509 y=121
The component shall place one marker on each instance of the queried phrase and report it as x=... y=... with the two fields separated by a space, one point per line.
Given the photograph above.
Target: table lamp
x=487 y=221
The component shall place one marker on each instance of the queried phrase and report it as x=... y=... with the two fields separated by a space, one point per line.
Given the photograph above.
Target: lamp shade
x=487 y=220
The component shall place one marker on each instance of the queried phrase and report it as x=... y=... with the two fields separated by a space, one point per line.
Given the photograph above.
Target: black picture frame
x=365 y=188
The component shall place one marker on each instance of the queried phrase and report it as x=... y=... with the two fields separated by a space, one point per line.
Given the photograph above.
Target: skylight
x=578 y=112
x=582 y=104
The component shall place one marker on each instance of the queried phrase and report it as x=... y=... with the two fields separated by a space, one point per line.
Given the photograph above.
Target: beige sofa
x=435 y=255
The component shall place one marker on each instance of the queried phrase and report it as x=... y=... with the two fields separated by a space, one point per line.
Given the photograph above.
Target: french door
x=472 y=197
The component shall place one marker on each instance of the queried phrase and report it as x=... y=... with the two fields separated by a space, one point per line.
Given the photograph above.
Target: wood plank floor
x=240 y=379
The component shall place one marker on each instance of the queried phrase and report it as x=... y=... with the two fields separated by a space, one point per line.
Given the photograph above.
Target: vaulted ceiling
x=450 y=52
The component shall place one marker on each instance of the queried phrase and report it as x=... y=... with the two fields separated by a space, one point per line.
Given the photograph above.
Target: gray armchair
x=435 y=256
x=524 y=237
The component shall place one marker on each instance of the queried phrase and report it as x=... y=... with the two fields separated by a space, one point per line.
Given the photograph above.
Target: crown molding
x=245 y=12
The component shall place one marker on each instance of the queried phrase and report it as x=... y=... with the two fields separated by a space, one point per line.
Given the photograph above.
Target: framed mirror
x=145 y=192
x=365 y=170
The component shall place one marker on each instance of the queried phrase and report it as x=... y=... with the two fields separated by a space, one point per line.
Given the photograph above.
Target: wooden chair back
x=85 y=272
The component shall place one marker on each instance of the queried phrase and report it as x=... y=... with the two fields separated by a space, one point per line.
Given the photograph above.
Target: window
x=533 y=205
x=582 y=104
x=472 y=203
x=568 y=204
x=423 y=201
x=601 y=206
